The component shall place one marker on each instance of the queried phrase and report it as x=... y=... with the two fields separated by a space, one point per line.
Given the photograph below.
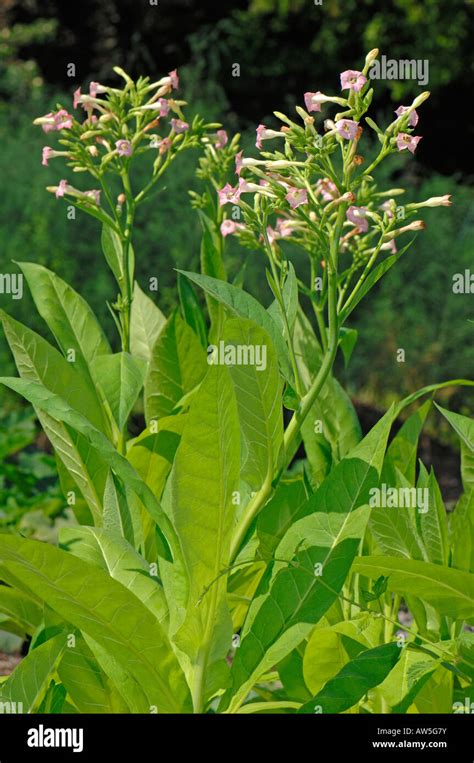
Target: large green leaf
x=146 y=322
x=121 y=377
x=401 y=453
x=20 y=608
x=204 y=477
x=67 y=314
x=178 y=364
x=450 y=591
x=242 y=304
x=38 y=361
x=462 y=519
x=354 y=680
x=432 y=523
x=277 y=516
x=121 y=512
x=330 y=533
x=98 y=605
x=394 y=528
x=329 y=536
x=30 y=680
x=110 y=552
x=258 y=391
x=86 y=684
x=59 y=410
x=192 y=311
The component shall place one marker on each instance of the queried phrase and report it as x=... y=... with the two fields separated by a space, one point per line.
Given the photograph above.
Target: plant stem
x=293 y=429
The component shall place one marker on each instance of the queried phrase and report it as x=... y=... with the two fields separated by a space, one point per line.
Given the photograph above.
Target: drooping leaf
x=354 y=680
x=450 y=591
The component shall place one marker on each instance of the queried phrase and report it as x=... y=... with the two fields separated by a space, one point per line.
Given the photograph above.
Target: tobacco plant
x=210 y=570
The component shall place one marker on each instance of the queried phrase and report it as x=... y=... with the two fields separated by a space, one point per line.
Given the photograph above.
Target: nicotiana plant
x=210 y=571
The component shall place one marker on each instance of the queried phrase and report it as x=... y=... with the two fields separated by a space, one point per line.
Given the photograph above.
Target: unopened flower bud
x=93 y=150
x=434 y=201
x=121 y=199
x=415 y=225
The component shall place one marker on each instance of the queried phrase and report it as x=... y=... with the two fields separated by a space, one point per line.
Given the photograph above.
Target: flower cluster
x=111 y=126
x=317 y=188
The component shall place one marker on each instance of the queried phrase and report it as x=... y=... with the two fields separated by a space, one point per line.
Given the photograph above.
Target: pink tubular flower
x=261 y=130
x=61 y=189
x=296 y=197
x=238 y=162
x=62 y=120
x=352 y=80
x=47 y=155
x=53 y=122
x=347 y=128
x=174 y=79
x=77 y=94
x=312 y=101
x=95 y=89
x=124 y=147
x=357 y=216
x=229 y=195
x=222 y=139
x=229 y=226
x=179 y=126
x=407 y=141
x=163 y=106
x=413 y=120
x=327 y=189
x=263 y=133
